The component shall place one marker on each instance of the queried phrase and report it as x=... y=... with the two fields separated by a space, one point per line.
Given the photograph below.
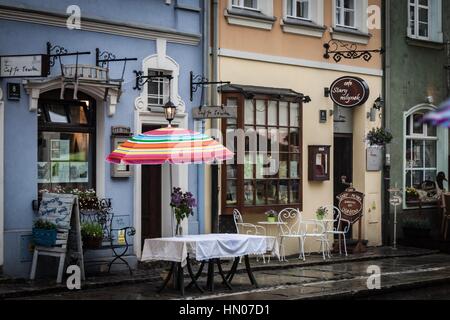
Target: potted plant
x=183 y=204
x=321 y=213
x=271 y=216
x=416 y=228
x=92 y=234
x=379 y=137
x=87 y=199
x=44 y=233
x=411 y=195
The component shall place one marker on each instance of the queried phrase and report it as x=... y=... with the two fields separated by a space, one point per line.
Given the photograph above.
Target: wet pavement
x=294 y=281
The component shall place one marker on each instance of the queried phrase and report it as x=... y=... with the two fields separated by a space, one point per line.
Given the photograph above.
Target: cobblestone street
x=401 y=271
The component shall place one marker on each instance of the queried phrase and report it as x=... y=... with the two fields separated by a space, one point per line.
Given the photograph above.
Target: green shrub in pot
x=92 y=234
x=44 y=233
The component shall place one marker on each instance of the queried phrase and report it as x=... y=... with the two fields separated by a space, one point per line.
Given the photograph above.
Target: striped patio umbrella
x=170 y=145
x=440 y=116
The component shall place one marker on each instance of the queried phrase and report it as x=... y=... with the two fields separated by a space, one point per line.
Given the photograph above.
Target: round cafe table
x=326 y=226
x=272 y=225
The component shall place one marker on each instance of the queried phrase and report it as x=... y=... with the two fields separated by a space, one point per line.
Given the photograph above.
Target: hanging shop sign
x=349 y=92
x=24 y=66
x=351 y=204
x=220 y=112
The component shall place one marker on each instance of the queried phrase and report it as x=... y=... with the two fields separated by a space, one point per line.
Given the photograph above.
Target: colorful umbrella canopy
x=170 y=145
x=439 y=117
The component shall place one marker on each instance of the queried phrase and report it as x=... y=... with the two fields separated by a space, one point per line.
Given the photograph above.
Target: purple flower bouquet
x=183 y=204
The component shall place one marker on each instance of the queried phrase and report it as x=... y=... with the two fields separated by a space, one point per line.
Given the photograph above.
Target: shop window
x=425 y=20
x=66 y=143
x=421 y=165
x=270 y=174
x=158 y=89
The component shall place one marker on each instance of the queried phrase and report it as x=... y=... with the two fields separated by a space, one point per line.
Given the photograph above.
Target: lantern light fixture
x=170 y=111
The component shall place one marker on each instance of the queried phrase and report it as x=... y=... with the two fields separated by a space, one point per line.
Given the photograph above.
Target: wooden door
x=151 y=199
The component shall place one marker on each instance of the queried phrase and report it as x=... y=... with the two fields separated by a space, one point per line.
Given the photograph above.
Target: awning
x=250 y=91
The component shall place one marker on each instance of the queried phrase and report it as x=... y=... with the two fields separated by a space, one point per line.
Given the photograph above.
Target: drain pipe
x=201 y=168
x=214 y=122
x=386 y=221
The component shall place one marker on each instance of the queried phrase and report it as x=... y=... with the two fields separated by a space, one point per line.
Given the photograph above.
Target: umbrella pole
x=171 y=209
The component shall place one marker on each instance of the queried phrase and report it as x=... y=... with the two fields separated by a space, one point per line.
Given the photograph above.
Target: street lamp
x=170 y=110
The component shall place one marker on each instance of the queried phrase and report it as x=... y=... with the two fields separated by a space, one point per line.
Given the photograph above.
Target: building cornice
x=97 y=25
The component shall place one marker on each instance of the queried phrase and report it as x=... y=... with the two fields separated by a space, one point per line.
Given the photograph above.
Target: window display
x=268 y=177
x=66 y=148
x=420 y=162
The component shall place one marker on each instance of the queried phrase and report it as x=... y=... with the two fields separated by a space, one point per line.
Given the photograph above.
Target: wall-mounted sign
x=319 y=163
x=396 y=201
x=349 y=92
x=351 y=204
x=323 y=116
x=214 y=112
x=24 y=66
x=13 y=91
x=119 y=135
x=374 y=158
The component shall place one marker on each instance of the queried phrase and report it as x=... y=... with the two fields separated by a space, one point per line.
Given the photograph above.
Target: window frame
x=424 y=137
x=241 y=5
x=294 y=7
x=342 y=14
x=240 y=169
x=160 y=96
x=417 y=6
x=89 y=128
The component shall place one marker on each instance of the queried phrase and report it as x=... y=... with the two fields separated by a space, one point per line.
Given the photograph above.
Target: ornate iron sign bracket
x=56 y=52
x=141 y=79
x=200 y=81
x=341 y=50
x=102 y=59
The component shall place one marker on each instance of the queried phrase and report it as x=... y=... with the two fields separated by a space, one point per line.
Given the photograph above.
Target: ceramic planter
x=44 y=237
x=92 y=242
x=271 y=219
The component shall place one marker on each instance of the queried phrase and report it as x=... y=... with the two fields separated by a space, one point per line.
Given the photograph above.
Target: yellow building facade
x=279 y=44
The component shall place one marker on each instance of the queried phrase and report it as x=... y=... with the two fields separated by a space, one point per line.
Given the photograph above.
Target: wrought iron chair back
x=339 y=222
x=104 y=216
x=290 y=219
x=237 y=217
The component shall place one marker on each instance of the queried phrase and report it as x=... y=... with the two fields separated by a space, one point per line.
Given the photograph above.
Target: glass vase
x=178 y=230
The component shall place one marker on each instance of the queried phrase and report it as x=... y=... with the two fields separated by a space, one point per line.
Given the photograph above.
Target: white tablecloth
x=208 y=246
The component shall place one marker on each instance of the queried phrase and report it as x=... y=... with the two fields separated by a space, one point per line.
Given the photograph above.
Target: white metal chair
x=338 y=227
x=294 y=227
x=247 y=228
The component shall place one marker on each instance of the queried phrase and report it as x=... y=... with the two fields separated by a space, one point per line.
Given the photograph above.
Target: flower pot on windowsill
x=412 y=201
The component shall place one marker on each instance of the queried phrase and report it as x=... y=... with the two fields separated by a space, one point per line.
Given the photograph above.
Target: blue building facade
x=166 y=37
